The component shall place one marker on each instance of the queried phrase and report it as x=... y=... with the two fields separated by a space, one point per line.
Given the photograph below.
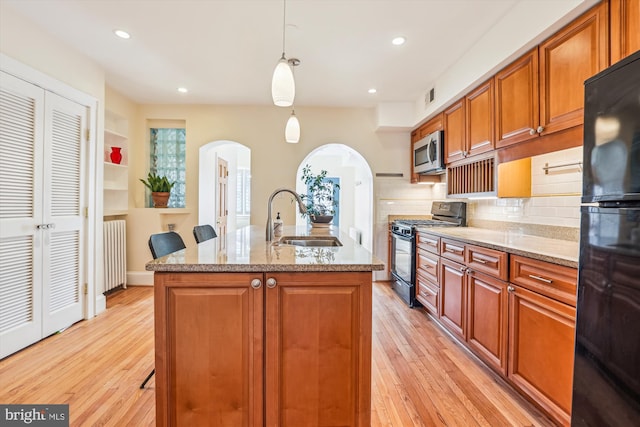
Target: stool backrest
x=204 y=232
x=162 y=244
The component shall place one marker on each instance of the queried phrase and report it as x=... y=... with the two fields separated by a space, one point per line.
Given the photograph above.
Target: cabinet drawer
x=429 y=242
x=452 y=249
x=428 y=265
x=488 y=261
x=427 y=294
x=552 y=280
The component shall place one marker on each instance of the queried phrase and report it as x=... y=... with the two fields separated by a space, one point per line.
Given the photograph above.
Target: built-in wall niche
x=552 y=174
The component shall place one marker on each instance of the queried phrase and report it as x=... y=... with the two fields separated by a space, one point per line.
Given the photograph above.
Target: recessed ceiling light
x=122 y=34
x=183 y=90
x=398 y=41
x=372 y=90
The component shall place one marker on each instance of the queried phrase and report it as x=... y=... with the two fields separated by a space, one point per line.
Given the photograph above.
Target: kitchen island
x=251 y=333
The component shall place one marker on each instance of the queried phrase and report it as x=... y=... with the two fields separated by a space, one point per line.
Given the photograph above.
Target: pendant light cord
x=284 y=22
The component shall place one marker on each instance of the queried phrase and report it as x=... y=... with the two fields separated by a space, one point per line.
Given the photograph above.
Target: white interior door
x=222 y=204
x=21 y=181
x=63 y=249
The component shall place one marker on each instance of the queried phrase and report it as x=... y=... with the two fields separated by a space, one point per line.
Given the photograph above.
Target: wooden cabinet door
x=487 y=310
x=625 y=28
x=454 y=132
x=453 y=297
x=567 y=59
x=517 y=111
x=318 y=367
x=209 y=349
x=479 y=119
x=541 y=350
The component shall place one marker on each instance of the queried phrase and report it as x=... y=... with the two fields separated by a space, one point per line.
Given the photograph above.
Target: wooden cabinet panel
x=555 y=281
x=452 y=249
x=318 y=369
x=209 y=340
x=428 y=242
x=479 y=119
x=427 y=293
x=487 y=310
x=427 y=265
x=625 y=28
x=488 y=261
x=454 y=132
x=541 y=350
x=516 y=101
x=567 y=59
x=453 y=297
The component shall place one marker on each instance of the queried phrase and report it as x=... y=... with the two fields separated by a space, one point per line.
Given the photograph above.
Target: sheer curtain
x=168 y=158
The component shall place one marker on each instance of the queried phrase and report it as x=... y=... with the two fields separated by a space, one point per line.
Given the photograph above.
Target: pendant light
x=283 y=86
x=292 y=130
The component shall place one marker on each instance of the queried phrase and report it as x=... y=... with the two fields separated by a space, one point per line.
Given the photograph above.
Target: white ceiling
x=224 y=51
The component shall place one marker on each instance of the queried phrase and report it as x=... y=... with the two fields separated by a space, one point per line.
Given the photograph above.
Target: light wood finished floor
x=421 y=377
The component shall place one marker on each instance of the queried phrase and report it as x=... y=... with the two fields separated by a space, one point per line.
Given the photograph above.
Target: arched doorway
x=356 y=188
x=235 y=205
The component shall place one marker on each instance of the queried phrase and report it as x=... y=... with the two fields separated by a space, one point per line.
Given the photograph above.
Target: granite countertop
x=246 y=250
x=557 y=251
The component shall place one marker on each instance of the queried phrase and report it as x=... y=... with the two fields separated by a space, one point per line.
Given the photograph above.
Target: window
x=243 y=192
x=168 y=158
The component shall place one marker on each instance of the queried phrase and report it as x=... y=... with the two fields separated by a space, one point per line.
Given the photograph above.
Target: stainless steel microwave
x=428 y=154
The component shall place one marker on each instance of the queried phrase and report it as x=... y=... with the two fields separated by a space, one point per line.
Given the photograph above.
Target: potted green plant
x=160 y=188
x=319 y=199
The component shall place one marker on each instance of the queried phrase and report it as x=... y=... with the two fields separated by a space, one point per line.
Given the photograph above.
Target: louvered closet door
x=42 y=175
x=63 y=194
x=21 y=180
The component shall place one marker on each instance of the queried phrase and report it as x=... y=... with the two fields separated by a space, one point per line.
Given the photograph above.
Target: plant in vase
x=160 y=189
x=319 y=200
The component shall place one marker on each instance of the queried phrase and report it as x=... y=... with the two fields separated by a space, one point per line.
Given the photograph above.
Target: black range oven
x=403 y=245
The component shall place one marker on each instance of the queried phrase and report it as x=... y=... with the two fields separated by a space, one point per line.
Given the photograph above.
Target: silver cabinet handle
x=532 y=131
x=510 y=288
x=448 y=249
x=542 y=279
x=540 y=129
x=481 y=261
x=256 y=283
x=271 y=283
x=463 y=269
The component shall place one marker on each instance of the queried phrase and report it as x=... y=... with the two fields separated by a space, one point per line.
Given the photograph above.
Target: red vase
x=116 y=155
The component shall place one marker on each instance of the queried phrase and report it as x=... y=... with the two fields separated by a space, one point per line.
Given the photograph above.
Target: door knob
x=256 y=283
x=271 y=283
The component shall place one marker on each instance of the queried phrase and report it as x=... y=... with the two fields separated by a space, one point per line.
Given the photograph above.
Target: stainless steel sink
x=314 y=241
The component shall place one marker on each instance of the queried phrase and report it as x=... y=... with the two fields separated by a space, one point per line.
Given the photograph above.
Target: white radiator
x=115 y=254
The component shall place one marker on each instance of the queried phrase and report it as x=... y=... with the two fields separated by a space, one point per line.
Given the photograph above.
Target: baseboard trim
x=140 y=278
x=101 y=303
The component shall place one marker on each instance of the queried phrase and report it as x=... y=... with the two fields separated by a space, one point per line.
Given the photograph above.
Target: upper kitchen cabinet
x=454 y=132
x=625 y=28
x=567 y=59
x=468 y=124
x=542 y=92
x=479 y=119
x=516 y=101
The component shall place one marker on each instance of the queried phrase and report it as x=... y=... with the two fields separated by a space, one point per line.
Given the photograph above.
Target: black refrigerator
x=606 y=382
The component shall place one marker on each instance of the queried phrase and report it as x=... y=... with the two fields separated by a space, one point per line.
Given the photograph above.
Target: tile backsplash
x=561 y=211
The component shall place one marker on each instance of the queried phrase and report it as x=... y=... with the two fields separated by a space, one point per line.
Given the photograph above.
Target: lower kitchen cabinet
x=453 y=296
x=263 y=349
x=487 y=308
x=541 y=350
